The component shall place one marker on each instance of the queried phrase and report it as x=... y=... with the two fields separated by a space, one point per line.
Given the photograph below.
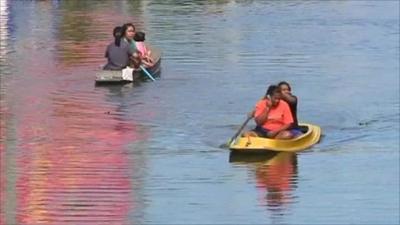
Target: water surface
x=74 y=153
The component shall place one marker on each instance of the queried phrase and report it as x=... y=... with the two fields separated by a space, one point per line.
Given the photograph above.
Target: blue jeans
x=296 y=132
x=261 y=132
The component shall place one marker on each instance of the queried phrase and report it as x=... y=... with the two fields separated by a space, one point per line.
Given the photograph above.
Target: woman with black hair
x=128 y=33
x=291 y=100
x=272 y=116
x=118 y=52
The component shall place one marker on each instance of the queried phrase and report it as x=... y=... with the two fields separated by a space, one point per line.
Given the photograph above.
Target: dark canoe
x=106 y=77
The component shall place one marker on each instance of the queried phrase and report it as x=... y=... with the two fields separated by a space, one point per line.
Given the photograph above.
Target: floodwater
x=74 y=153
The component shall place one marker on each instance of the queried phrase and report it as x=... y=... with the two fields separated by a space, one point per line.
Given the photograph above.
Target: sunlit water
x=73 y=153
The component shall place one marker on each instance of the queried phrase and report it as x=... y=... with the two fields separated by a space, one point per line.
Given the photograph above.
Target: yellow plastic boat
x=258 y=144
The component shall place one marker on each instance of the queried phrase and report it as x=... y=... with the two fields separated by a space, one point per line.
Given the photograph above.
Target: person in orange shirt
x=272 y=116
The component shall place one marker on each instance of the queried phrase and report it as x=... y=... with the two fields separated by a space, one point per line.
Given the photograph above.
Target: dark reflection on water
x=276 y=178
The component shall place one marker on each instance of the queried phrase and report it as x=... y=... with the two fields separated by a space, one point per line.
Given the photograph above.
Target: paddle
x=147 y=73
x=240 y=130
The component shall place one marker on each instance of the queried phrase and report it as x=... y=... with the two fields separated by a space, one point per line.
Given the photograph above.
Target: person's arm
x=289 y=98
x=272 y=134
x=147 y=63
x=149 y=59
x=287 y=120
x=287 y=117
x=106 y=53
x=262 y=117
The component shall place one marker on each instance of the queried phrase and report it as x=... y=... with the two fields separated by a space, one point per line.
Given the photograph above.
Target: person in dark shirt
x=289 y=98
x=118 y=53
x=292 y=100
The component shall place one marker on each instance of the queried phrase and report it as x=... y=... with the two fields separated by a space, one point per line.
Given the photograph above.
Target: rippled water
x=73 y=153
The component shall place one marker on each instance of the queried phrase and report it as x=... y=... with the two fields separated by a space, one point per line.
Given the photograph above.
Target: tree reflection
x=85 y=28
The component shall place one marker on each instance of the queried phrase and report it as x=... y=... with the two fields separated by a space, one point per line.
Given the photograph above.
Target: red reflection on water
x=72 y=165
x=277 y=177
x=71 y=161
x=3 y=180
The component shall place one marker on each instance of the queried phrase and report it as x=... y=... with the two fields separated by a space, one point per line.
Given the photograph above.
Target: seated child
x=141 y=47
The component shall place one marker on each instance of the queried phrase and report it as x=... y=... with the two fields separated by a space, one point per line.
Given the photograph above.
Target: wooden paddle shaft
x=240 y=129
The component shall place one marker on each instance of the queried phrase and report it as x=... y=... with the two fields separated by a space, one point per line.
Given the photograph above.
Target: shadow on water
x=117 y=89
x=276 y=178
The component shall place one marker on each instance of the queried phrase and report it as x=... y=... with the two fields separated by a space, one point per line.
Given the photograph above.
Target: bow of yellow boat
x=258 y=144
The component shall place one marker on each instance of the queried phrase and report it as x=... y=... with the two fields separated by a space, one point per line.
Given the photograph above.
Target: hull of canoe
x=105 y=77
x=259 y=145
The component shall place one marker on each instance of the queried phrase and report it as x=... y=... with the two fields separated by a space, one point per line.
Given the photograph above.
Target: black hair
x=117 y=33
x=285 y=83
x=272 y=89
x=125 y=27
x=139 y=36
